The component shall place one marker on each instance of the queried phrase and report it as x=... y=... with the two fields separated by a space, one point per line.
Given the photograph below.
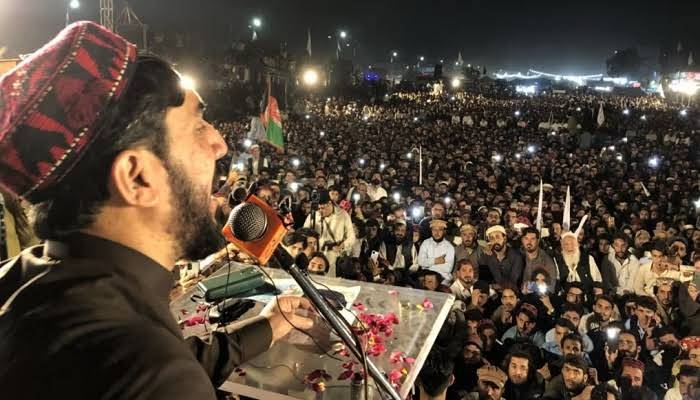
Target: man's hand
x=544 y=371
x=282 y=311
x=506 y=317
x=693 y=292
x=610 y=356
x=440 y=260
x=475 y=297
x=585 y=395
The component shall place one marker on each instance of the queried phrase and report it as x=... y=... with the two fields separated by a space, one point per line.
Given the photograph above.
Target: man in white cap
x=502 y=265
x=576 y=265
x=254 y=162
x=436 y=253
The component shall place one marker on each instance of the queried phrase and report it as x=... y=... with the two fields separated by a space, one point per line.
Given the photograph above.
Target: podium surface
x=279 y=373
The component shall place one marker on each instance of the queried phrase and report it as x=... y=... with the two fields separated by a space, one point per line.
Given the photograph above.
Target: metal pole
x=420 y=165
x=67 y=12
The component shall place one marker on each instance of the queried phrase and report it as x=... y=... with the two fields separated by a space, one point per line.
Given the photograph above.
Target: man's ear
x=452 y=380
x=137 y=177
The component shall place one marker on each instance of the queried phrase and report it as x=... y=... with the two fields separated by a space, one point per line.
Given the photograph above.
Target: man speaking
x=118 y=162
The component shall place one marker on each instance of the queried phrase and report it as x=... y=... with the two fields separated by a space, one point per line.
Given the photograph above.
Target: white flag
x=691 y=62
x=601 y=115
x=460 y=61
x=308 y=43
x=257 y=130
x=566 y=223
x=538 y=222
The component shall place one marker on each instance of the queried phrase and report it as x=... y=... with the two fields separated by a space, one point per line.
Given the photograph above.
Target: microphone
x=255 y=228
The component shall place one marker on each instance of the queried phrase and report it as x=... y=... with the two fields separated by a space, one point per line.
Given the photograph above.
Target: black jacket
x=95 y=323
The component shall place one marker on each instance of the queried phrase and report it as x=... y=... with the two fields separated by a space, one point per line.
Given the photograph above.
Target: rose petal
x=395 y=357
x=427 y=304
x=409 y=360
x=395 y=375
x=195 y=320
x=393 y=292
x=345 y=375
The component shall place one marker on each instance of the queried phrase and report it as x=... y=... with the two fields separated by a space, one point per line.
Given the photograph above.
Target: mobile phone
x=532 y=287
x=612 y=334
x=375 y=255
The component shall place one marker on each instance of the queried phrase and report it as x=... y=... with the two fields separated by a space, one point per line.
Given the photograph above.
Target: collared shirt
x=625 y=270
x=460 y=291
x=645 y=279
x=376 y=192
x=536 y=338
x=97 y=324
x=430 y=250
x=470 y=253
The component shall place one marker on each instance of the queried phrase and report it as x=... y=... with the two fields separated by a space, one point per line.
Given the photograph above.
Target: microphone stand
x=334 y=319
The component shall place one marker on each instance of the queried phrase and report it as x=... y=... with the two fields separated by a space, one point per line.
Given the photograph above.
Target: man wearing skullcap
x=504 y=265
x=113 y=152
x=437 y=253
x=469 y=248
x=490 y=384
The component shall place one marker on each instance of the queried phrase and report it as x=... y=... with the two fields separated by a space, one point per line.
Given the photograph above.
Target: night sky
x=555 y=36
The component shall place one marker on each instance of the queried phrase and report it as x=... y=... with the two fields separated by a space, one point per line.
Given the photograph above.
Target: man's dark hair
x=308 y=232
x=647 y=302
x=565 y=323
x=532 y=230
x=435 y=375
x=294 y=237
x=137 y=119
x=689 y=371
x=519 y=352
x=601 y=391
x=577 y=308
x=577 y=361
x=573 y=336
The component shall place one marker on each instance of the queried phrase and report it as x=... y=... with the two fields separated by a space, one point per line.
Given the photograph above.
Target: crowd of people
x=592 y=300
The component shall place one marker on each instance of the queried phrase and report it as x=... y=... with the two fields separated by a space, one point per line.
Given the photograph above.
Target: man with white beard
x=575 y=265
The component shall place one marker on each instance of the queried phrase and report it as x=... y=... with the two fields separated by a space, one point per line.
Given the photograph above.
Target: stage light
x=74 y=4
x=365 y=118
x=294 y=186
x=343 y=34
x=448 y=201
x=257 y=22
x=654 y=162
x=397 y=197
x=452 y=98
x=328 y=99
x=626 y=111
x=456 y=82
x=322 y=133
x=531 y=149
x=240 y=166
x=296 y=162
x=356 y=197
x=187 y=83
x=517 y=113
x=415 y=119
x=247 y=143
x=684 y=112
x=497 y=158
x=310 y=77
x=554 y=133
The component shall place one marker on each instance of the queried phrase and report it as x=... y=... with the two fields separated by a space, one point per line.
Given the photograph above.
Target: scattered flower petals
x=202 y=307
x=348 y=365
x=346 y=375
x=396 y=357
x=393 y=292
x=195 y=320
x=409 y=360
x=395 y=375
x=427 y=304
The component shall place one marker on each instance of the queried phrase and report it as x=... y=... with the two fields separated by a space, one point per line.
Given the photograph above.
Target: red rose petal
x=345 y=375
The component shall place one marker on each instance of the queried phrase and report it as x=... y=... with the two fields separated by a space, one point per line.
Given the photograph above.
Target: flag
x=460 y=61
x=679 y=48
x=538 y=222
x=691 y=62
x=566 y=222
x=272 y=120
x=257 y=130
x=308 y=43
x=601 y=115
x=255 y=35
x=337 y=49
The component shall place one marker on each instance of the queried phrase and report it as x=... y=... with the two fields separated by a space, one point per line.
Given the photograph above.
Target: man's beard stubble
x=196 y=234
